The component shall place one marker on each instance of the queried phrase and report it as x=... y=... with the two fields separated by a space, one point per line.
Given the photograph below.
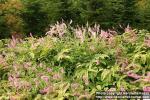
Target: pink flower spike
x=45 y=90
x=146 y=89
x=147 y=42
x=56 y=76
x=10 y=78
x=148 y=74
x=128 y=29
x=133 y=75
x=31 y=35
x=49 y=69
x=104 y=34
x=45 y=78
x=97 y=62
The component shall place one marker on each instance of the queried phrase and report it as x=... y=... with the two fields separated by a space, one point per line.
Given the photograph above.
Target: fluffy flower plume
x=14 y=82
x=79 y=33
x=128 y=29
x=59 y=29
x=104 y=34
x=94 y=30
x=15 y=40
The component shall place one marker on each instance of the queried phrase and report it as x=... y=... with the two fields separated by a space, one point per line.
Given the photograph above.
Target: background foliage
x=25 y=16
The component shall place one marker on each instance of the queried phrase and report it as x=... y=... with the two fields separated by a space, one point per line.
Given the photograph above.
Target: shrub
x=75 y=64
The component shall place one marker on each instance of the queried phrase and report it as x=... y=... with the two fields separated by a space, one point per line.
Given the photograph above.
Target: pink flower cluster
x=133 y=75
x=17 y=83
x=45 y=78
x=147 y=42
x=146 y=89
x=57 y=29
x=47 y=90
x=56 y=76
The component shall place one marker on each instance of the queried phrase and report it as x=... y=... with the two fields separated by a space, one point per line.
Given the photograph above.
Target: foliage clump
x=74 y=63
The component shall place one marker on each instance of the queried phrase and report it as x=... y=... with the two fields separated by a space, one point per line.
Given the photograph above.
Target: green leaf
x=105 y=74
x=98 y=87
x=32 y=55
x=143 y=59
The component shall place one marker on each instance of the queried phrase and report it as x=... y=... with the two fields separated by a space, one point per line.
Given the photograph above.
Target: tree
x=38 y=14
x=115 y=12
x=10 y=20
x=143 y=7
x=129 y=12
